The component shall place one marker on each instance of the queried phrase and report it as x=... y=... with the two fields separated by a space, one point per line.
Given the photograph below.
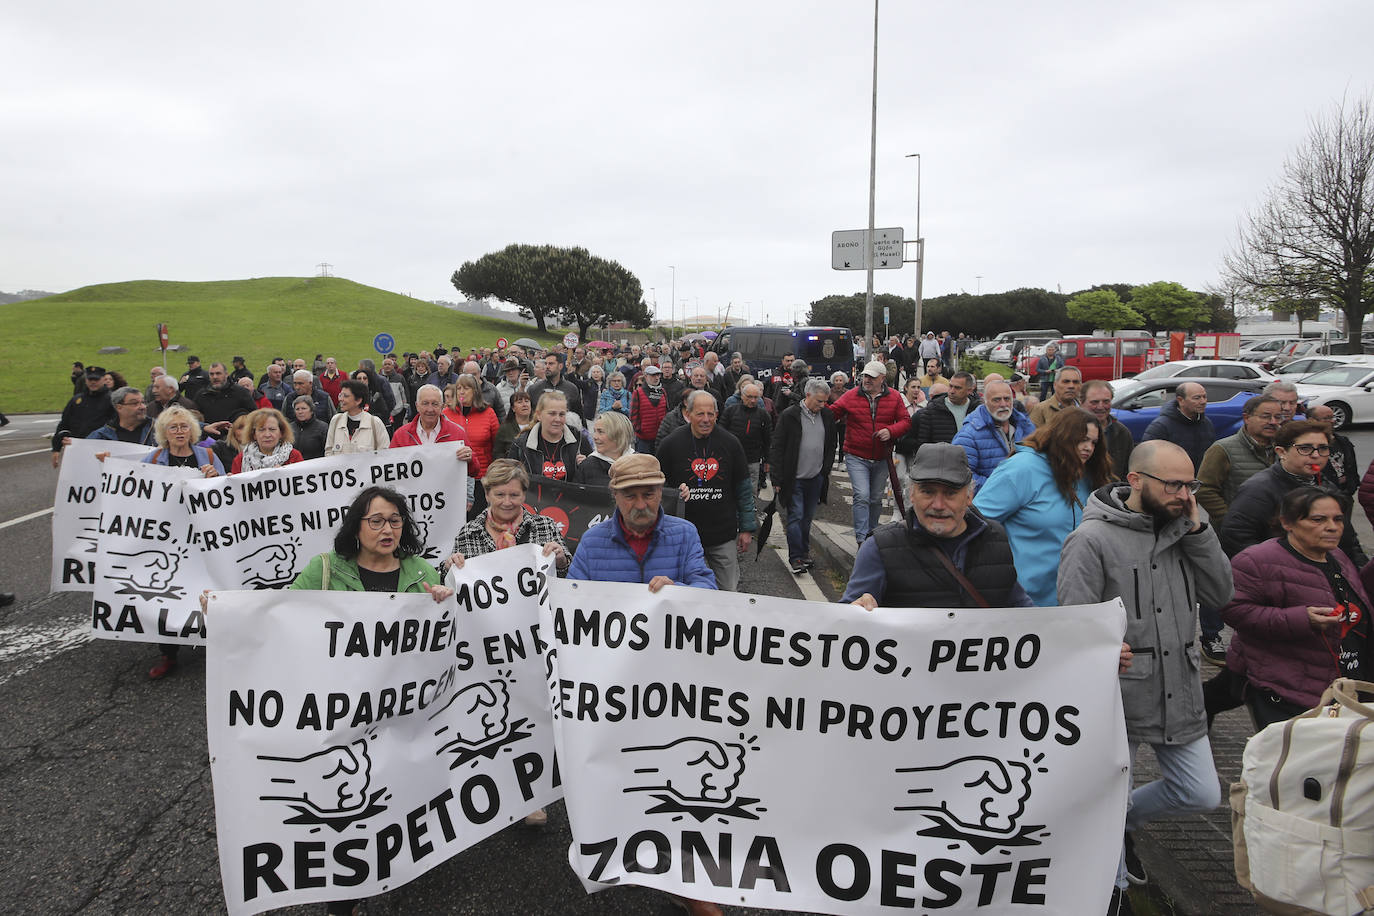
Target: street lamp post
x=872 y=191
x=672 y=304
x=920 y=244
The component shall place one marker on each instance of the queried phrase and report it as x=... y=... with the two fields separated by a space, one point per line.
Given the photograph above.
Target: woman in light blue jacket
x=615 y=396
x=1038 y=495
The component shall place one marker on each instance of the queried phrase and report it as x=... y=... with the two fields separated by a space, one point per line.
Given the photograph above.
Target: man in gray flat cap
x=944 y=554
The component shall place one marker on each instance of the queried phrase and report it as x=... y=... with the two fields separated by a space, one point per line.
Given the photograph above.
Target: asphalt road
x=107 y=800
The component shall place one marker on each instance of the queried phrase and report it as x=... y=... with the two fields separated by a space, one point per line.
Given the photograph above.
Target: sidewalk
x=1189 y=860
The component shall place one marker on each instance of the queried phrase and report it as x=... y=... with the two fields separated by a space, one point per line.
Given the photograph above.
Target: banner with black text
x=358 y=741
x=76 y=510
x=767 y=752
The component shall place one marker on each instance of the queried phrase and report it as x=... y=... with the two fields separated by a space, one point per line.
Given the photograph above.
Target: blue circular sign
x=383 y=344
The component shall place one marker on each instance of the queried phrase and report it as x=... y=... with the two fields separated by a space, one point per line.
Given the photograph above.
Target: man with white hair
x=489 y=392
x=166 y=392
x=303 y=384
x=990 y=433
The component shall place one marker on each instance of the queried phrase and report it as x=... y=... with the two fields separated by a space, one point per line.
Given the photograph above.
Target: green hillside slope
x=257 y=319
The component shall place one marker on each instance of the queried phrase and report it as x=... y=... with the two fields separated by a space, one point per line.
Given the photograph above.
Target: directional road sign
x=847 y=249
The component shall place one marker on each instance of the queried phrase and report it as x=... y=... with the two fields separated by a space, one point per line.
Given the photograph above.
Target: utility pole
x=872 y=191
x=324 y=269
x=920 y=245
x=672 y=303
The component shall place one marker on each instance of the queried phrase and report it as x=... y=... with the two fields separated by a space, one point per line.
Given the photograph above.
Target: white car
x=1347 y=389
x=1264 y=349
x=1196 y=368
x=1298 y=368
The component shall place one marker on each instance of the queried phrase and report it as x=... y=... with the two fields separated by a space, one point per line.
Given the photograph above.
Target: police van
x=824 y=350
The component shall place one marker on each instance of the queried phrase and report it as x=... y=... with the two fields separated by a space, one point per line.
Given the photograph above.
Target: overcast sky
x=1062 y=144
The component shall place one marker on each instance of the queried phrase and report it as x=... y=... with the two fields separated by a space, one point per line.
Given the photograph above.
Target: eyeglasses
x=1173 y=486
x=378 y=522
x=1307 y=449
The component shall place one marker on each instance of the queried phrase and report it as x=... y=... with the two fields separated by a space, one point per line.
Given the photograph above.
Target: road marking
x=21 y=454
x=30 y=646
x=810 y=590
x=24 y=518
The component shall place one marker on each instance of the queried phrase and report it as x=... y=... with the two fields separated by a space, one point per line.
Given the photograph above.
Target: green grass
x=257 y=319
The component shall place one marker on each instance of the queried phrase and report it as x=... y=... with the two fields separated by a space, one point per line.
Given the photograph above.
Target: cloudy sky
x=1062 y=144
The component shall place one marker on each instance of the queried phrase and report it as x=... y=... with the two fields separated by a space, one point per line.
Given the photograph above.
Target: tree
x=1103 y=308
x=1313 y=236
x=1170 y=306
x=566 y=284
x=1304 y=309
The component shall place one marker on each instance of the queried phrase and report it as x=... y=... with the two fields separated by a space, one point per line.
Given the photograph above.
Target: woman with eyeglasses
x=1300 y=611
x=1301 y=451
x=1040 y=491
x=176 y=431
x=376 y=549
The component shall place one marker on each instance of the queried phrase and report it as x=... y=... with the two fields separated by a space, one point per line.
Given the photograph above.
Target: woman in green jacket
x=377 y=549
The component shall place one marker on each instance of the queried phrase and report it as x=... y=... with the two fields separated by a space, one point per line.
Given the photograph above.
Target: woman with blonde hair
x=270 y=443
x=613 y=436
x=550 y=448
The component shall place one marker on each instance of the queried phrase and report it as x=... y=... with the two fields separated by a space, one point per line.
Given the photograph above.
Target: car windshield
x=1340 y=376
x=1167 y=370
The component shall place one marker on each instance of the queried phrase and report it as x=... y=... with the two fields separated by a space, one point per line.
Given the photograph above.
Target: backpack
x=1302 y=814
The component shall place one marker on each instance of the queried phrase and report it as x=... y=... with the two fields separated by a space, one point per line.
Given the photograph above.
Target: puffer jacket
x=863 y=417
x=1193 y=436
x=1160 y=576
x=984 y=442
x=344 y=577
x=1274 y=647
x=674 y=551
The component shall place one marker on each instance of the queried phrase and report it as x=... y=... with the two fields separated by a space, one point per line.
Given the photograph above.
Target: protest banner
x=76 y=511
x=773 y=753
x=359 y=741
x=172 y=532
x=577 y=508
x=148 y=571
x=258 y=529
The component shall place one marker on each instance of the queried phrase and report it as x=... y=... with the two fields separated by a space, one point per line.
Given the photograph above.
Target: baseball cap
x=651 y=369
x=877 y=370
x=637 y=471
x=1017 y=377
x=940 y=462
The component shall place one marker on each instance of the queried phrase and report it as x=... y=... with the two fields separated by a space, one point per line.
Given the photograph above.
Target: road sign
x=383 y=344
x=570 y=339
x=887 y=314
x=847 y=249
x=162 y=337
x=501 y=343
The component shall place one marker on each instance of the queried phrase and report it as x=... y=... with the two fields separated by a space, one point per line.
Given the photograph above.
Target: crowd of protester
x=1014 y=499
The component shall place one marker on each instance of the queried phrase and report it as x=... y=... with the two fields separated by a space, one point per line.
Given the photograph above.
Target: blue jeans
x=868 y=478
x=1188 y=785
x=806 y=493
x=643 y=446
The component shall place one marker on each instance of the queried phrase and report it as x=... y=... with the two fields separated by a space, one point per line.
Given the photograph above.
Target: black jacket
x=309 y=437
x=83 y=415
x=753 y=427
x=227 y=403
x=1253 y=516
x=917 y=578
x=935 y=423
x=544 y=459
x=782 y=461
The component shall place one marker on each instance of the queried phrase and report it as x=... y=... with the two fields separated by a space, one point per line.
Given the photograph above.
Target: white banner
x=76 y=511
x=358 y=742
x=772 y=753
x=168 y=541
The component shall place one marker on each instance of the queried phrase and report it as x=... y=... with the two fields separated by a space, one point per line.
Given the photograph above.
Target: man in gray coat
x=1148 y=543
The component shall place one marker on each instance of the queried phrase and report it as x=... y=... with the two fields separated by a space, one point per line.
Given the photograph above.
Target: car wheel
x=1341 y=414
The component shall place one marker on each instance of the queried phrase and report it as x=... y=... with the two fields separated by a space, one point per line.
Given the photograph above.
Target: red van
x=1099 y=357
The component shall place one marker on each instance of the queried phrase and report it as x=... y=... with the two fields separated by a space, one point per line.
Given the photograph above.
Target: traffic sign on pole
x=570 y=339
x=847 y=249
x=383 y=344
x=501 y=343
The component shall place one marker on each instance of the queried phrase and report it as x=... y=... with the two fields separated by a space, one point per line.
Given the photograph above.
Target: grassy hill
x=256 y=319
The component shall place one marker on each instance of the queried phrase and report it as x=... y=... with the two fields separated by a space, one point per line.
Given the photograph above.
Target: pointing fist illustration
x=693 y=769
x=268 y=566
x=147 y=569
x=332 y=781
x=993 y=797
x=480 y=712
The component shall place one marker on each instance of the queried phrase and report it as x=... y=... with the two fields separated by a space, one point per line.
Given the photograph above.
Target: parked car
x=1347 y=389
x=1094 y=357
x=1194 y=368
x=1226 y=398
x=1260 y=350
x=1008 y=351
x=1301 y=348
x=1298 y=368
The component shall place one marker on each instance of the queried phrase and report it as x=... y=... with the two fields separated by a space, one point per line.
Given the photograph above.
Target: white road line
x=807 y=582
x=24 y=518
x=30 y=646
x=21 y=454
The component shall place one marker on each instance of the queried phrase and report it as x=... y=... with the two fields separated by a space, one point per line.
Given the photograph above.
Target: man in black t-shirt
x=710 y=470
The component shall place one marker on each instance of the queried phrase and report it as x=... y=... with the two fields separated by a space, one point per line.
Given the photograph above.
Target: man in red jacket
x=874 y=418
